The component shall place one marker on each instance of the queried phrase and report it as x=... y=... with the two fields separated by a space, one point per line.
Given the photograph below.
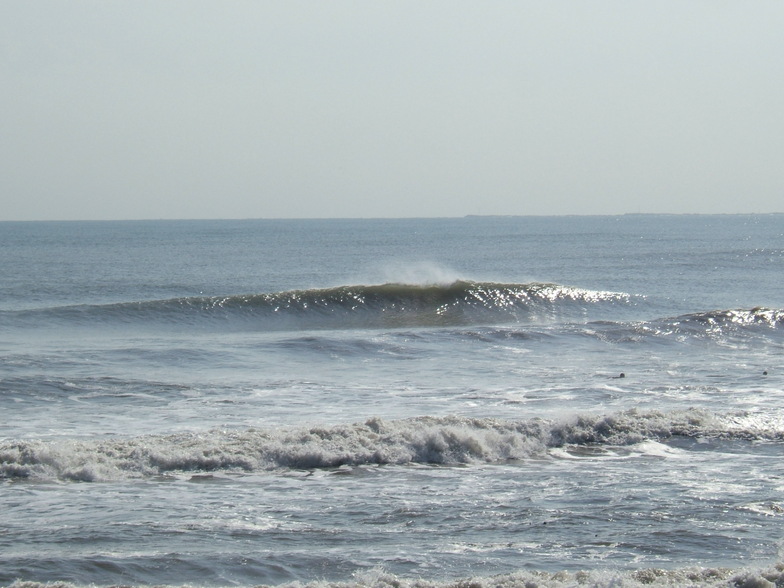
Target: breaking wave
x=422 y=440
x=716 y=325
x=387 y=306
x=377 y=306
x=687 y=577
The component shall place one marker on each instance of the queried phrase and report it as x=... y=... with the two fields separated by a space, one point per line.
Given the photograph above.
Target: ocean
x=462 y=402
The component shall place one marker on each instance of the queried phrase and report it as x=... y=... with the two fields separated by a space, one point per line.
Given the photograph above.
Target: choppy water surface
x=557 y=401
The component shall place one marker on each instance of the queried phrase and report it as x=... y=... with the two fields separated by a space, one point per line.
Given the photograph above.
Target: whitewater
x=483 y=401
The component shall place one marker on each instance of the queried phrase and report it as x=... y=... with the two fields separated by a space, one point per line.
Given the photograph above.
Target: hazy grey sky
x=372 y=108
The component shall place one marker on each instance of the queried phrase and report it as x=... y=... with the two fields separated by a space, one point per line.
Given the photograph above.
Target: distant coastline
x=393 y=218
x=627 y=214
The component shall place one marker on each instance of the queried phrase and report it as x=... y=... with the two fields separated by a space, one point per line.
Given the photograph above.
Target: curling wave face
x=374 y=306
x=609 y=315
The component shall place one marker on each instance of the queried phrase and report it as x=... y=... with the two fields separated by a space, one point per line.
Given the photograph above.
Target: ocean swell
x=360 y=306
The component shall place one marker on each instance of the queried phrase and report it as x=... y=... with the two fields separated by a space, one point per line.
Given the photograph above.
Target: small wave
x=726 y=320
x=374 y=306
x=687 y=577
x=719 y=326
x=422 y=440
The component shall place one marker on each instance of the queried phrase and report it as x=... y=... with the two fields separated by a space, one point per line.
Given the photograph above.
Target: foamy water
x=506 y=402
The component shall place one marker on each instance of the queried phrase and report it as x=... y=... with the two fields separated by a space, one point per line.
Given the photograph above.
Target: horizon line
x=367 y=218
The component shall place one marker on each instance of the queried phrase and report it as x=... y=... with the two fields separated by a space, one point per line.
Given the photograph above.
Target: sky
x=113 y=109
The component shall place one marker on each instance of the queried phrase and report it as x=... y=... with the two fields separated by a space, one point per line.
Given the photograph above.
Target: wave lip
x=359 y=306
x=422 y=440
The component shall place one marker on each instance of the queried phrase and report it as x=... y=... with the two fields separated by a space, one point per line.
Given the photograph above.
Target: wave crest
x=423 y=440
x=695 y=577
x=730 y=319
x=360 y=306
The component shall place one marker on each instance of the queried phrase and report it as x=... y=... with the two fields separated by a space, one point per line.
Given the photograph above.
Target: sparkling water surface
x=165 y=423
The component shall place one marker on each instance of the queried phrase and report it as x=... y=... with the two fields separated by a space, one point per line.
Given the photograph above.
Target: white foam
x=426 y=440
x=688 y=577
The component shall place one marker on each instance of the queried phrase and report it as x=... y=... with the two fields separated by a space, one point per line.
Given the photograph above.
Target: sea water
x=508 y=401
